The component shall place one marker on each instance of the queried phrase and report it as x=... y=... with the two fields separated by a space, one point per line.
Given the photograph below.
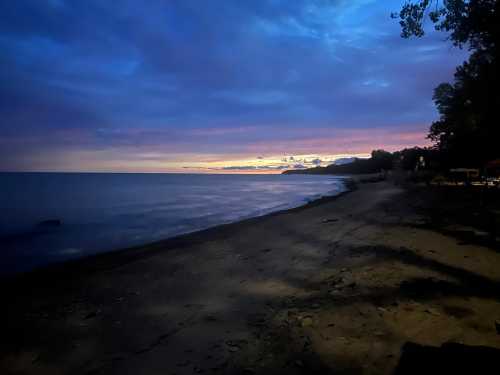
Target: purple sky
x=193 y=85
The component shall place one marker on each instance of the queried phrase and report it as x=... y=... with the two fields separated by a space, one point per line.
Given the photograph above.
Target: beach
x=339 y=285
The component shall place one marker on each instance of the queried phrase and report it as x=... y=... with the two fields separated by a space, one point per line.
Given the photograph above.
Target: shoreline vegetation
x=380 y=160
x=375 y=280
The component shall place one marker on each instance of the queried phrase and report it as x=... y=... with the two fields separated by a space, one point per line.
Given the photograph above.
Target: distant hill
x=380 y=160
x=343 y=161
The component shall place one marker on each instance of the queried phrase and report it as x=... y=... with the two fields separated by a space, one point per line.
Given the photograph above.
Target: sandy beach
x=338 y=286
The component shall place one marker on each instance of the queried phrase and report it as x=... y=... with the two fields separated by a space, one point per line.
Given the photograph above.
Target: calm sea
x=100 y=212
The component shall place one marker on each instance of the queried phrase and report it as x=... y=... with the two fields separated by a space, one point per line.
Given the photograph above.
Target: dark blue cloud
x=128 y=73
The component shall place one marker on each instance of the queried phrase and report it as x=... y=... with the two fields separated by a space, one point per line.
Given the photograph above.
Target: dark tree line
x=407 y=159
x=468 y=130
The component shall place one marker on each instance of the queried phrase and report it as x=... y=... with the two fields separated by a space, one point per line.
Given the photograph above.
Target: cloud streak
x=118 y=80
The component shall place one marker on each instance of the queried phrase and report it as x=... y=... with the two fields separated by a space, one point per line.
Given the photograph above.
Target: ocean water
x=99 y=212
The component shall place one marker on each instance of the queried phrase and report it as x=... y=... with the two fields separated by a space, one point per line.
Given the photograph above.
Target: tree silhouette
x=472 y=22
x=467 y=132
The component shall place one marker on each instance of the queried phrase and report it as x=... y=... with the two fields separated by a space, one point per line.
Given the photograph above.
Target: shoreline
x=131 y=253
x=340 y=285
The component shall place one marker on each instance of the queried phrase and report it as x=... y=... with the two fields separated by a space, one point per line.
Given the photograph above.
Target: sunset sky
x=210 y=86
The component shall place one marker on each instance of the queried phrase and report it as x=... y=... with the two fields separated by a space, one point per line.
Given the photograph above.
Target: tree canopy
x=467 y=132
x=472 y=22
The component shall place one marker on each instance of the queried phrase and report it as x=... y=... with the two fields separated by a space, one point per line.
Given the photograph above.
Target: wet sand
x=338 y=286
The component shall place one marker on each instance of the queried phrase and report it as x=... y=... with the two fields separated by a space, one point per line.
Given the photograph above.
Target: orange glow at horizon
x=258 y=157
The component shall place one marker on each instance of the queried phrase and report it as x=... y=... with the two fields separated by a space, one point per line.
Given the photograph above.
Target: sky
x=222 y=86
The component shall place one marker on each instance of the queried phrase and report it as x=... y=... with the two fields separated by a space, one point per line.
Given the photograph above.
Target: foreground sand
x=337 y=286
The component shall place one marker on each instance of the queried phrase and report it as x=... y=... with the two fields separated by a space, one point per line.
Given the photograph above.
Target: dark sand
x=336 y=287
